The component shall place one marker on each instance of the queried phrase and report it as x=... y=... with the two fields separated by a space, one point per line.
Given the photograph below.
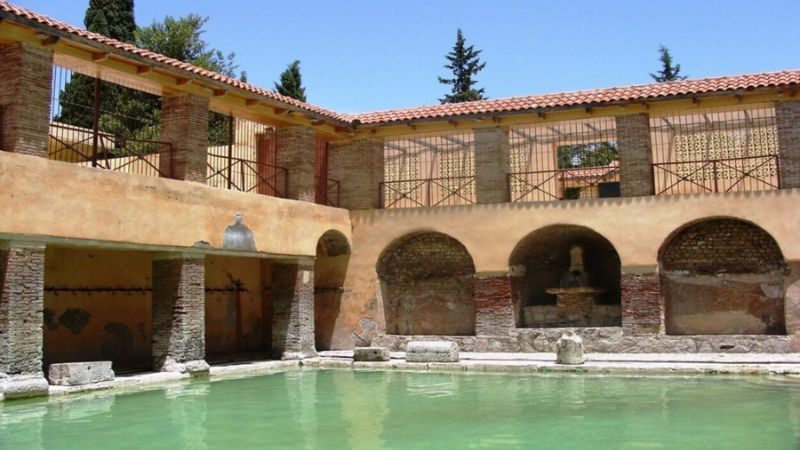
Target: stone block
x=371 y=354
x=432 y=351
x=197 y=368
x=21 y=386
x=569 y=349
x=78 y=373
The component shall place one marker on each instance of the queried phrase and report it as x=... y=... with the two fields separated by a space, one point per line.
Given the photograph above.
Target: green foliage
x=586 y=155
x=112 y=18
x=291 y=84
x=465 y=64
x=668 y=72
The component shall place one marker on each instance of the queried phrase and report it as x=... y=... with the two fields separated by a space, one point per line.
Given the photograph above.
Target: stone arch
x=722 y=275
x=330 y=270
x=548 y=292
x=426 y=285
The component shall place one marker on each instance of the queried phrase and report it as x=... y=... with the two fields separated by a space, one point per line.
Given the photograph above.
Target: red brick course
x=184 y=124
x=293 y=309
x=635 y=155
x=787 y=115
x=296 y=152
x=358 y=165
x=642 y=309
x=494 y=311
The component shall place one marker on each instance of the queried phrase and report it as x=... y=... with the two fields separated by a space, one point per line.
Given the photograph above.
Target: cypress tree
x=291 y=84
x=668 y=72
x=465 y=64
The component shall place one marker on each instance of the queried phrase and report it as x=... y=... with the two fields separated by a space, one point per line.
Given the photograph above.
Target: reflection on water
x=396 y=410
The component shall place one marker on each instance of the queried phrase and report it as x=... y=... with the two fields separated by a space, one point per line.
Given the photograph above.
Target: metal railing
x=564 y=184
x=92 y=148
x=244 y=175
x=750 y=173
x=327 y=191
x=428 y=192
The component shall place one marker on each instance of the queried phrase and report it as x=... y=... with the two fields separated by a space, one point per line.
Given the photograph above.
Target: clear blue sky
x=364 y=55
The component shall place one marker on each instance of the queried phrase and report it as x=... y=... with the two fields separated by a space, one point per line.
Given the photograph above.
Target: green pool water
x=404 y=410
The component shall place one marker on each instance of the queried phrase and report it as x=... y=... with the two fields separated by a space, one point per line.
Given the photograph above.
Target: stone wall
x=25 y=98
x=21 y=304
x=358 y=165
x=178 y=310
x=184 y=124
x=787 y=115
x=605 y=340
x=494 y=311
x=642 y=310
x=723 y=276
x=426 y=286
x=635 y=155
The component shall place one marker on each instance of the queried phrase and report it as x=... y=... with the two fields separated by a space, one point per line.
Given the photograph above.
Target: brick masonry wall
x=642 y=309
x=635 y=155
x=788 y=120
x=184 y=124
x=494 y=311
x=358 y=165
x=722 y=245
x=296 y=152
x=178 y=310
x=293 y=309
x=492 y=149
x=426 y=284
x=25 y=98
x=21 y=306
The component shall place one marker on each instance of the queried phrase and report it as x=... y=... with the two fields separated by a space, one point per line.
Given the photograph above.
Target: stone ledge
x=21 y=386
x=371 y=354
x=432 y=351
x=78 y=373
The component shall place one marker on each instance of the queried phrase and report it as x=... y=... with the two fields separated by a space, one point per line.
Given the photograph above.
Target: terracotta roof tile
x=596 y=97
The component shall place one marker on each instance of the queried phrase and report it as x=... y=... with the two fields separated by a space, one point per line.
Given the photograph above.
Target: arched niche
x=330 y=270
x=426 y=285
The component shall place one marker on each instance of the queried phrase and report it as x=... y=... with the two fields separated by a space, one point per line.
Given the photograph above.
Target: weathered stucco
x=93 y=204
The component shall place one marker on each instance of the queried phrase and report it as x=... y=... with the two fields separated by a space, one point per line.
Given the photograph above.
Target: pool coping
x=596 y=363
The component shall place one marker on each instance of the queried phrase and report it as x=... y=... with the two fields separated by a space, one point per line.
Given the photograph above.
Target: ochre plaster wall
x=93 y=323
x=636 y=227
x=236 y=299
x=52 y=198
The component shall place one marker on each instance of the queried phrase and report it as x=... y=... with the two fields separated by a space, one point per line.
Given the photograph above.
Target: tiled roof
x=40 y=19
x=596 y=97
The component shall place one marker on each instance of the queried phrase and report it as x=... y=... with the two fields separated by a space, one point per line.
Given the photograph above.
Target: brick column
x=296 y=152
x=642 y=309
x=184 y=124
x=293 y=310
x=179 y=295
x=492 y=149
x=21 y=319
x=25 y=98
x=358 y=165
x=787 y=115
x=494 y=311
x=635 y=155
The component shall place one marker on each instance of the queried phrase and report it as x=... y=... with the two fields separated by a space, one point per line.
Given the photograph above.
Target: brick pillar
x=787 y=115
x=494 y=311
x=635 y=155
x=293 y=310
x=296 y=152
x=642 y=310
x=21 y=319
x=358 y=165
x=179 y=295
x=492 y=149
x=25 y=98
x=184 y=124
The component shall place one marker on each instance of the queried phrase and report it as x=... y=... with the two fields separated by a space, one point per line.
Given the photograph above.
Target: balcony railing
x=428 y=192
x=91 y=148
x=752 y=173
x=243 y=175
x=564 y=184
x=327 y=191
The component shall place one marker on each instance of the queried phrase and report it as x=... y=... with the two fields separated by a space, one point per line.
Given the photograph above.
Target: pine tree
x=291 y=84
x=668 y=72
x=465 y=64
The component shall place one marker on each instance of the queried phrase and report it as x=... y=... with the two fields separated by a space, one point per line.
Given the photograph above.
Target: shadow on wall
x=426 y=286
x=330 y=270
x=723 y=276
x=571 y=257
